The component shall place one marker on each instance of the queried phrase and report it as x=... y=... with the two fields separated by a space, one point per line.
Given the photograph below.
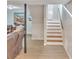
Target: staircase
x=53 y=33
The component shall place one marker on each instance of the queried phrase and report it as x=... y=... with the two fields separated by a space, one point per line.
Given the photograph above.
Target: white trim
x=45 y=22
x=54 y=43
x=67 y=11
x=68 y=53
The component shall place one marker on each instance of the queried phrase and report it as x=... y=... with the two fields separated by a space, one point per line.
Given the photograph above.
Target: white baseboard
x=68 y=53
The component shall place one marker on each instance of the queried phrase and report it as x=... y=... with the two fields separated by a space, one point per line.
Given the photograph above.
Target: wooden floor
x=36 y=50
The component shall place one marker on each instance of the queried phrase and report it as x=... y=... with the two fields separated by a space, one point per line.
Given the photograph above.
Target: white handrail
x=60 y=18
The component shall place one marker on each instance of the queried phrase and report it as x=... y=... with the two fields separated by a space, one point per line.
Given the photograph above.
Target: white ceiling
x=39 y=2
x=20 y=3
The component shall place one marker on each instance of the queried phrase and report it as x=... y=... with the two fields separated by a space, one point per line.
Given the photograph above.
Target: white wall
x=53 y=12
x=37 y=12
x=69 y=6
x=67 y=24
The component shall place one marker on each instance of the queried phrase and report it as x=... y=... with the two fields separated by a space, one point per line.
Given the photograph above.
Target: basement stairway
x=54 y=33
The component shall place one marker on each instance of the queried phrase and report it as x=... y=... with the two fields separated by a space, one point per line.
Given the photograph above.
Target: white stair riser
x=54 y=34
x=54 y=38
x=54 y=24
x=53 y=27
x=54 y=43
x=54 y=21
x=53 y=31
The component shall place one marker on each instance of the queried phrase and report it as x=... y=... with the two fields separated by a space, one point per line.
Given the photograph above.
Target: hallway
x=36 y=50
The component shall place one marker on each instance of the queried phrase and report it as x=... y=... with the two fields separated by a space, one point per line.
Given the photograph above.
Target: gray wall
x=10 y=15
x=10 y=18
x=67 y=23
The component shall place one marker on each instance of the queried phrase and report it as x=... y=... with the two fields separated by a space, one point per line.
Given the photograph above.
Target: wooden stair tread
x=53 y=25
x=53 y=21
x=54 y=36
x=54 y=33
x=54 y=40
x=53 y=29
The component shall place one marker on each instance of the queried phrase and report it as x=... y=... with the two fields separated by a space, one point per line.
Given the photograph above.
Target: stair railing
x=60 y=18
